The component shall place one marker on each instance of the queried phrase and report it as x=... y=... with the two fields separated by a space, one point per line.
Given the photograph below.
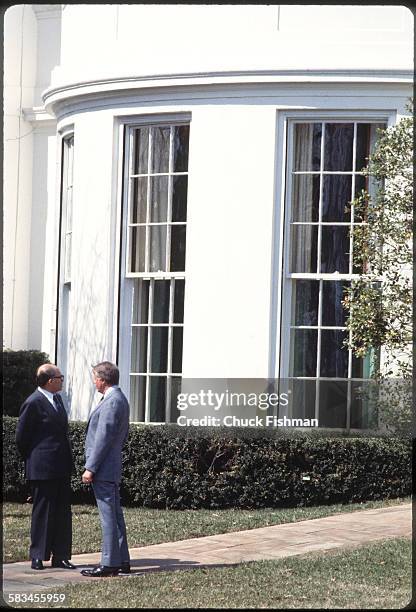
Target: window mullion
x=149 y=351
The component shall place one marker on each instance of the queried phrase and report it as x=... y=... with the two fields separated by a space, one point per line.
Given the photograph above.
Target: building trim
x=58 y=99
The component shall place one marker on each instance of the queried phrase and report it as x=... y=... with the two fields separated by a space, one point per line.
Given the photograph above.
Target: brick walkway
x=338 y=530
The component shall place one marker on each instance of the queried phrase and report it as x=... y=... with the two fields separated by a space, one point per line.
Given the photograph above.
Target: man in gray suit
x=107 y=432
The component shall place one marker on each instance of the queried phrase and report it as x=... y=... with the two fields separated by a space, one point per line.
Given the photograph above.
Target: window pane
x=177 y=248
x=159 y=199
x=304 y=248
x=338 y=146
x=305 y=201
x=180 y=148
x=303 y=398
x=177 y=349
x=140 y=301
x=334 y=357
x=332 y=311
x=69 y=209
x=366 y=139
x=335 y=249
x=333 y=403
x=179 y=301
x=157 y=398
x=367 y=366
x=159 y=359
x=139 y=200
x=304 y=342
x=161 y=301
x=137 y=398
x=137 y=248
x=364 y=405
x=141 y=151
x=157 y=248
x=176 y=386
x=139 y=349
x=336 y=195
x=160 y=149
x=307 y=152
x=306 y=302
x=179 y=198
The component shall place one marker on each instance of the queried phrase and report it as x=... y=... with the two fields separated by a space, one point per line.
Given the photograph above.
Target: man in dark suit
x=42 y=440
x=107 y=432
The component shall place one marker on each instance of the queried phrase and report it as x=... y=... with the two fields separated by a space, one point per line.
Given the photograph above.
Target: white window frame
x=281 y=351
x=127 y=278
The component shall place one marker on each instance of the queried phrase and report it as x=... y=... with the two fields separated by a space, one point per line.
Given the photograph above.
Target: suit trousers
x=51 y=528
x=114 y=550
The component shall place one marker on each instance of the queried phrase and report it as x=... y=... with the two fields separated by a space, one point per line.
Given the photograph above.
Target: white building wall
x=234 y=68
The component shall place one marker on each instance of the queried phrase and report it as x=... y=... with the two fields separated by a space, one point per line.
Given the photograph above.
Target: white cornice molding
x=60 y=96
x=38 y=116
x=47 y=11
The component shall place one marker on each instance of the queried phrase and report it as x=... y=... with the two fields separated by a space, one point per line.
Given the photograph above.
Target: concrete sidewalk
x=338 y=530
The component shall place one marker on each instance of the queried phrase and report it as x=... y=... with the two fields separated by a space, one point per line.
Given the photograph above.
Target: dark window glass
x=137 y=397
x=137 y=249
x=333 y=398
x=176 y=386
x=161 y=301
x=305 y=346
x=157 y=386
x=179 y=198
x=335 y=197
x=139 y=349
x=333 y=312
x=141 y=151
x=339 y=138
x=180 y=148
x=307 y=153
x=157 y=248
x=159 y=199
x=303 y=398
x=140 y=301
x=363 y=145
x=161 y=137
x=159 y=360
x=306 y=302
x=305 y=201
x=177 y=344
x=177 y=250
x=335 y=249
x=139 y=200
x=178 y=304
x=304 y=248
x=334 y=356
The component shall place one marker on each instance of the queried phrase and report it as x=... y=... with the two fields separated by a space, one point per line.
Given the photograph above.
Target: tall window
x=65 y=271
x=155 y=256
x=325 y=160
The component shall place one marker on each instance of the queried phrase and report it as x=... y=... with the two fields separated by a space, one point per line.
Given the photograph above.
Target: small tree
x=379 y=303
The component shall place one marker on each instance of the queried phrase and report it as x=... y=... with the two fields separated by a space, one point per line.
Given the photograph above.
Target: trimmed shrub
x=19 y=377
x=174 y=467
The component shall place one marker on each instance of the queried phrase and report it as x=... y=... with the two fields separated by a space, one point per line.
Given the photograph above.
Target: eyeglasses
x=61 y=377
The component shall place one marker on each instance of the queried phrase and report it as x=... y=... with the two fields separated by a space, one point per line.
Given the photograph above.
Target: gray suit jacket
x=107 y=432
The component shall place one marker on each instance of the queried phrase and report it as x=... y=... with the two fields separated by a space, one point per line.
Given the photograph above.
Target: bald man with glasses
x=42 y=440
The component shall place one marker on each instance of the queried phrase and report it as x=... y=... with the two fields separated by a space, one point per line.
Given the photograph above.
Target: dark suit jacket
x=42 y=439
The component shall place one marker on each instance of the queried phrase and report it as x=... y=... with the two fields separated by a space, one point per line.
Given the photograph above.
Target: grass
x=373 y=576
x=147 y=526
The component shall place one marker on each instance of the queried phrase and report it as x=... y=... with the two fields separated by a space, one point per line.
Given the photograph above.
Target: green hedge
x=19 y=377
x=174 y=467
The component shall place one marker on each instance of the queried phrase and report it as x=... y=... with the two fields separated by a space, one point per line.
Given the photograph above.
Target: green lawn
x=375 y=576
x=147 y=526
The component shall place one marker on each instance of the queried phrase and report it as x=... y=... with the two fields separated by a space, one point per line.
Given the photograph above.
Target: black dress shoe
x=62 y=563
x=37 y=564
x=102 y=571
x=125 y=568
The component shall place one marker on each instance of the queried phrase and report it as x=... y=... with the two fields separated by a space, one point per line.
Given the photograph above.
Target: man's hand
x=87 y=477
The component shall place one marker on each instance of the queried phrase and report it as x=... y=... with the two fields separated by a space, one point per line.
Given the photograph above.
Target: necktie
x=57 y=403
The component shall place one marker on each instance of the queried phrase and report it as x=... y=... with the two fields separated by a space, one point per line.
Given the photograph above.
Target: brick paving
x=276 y=542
